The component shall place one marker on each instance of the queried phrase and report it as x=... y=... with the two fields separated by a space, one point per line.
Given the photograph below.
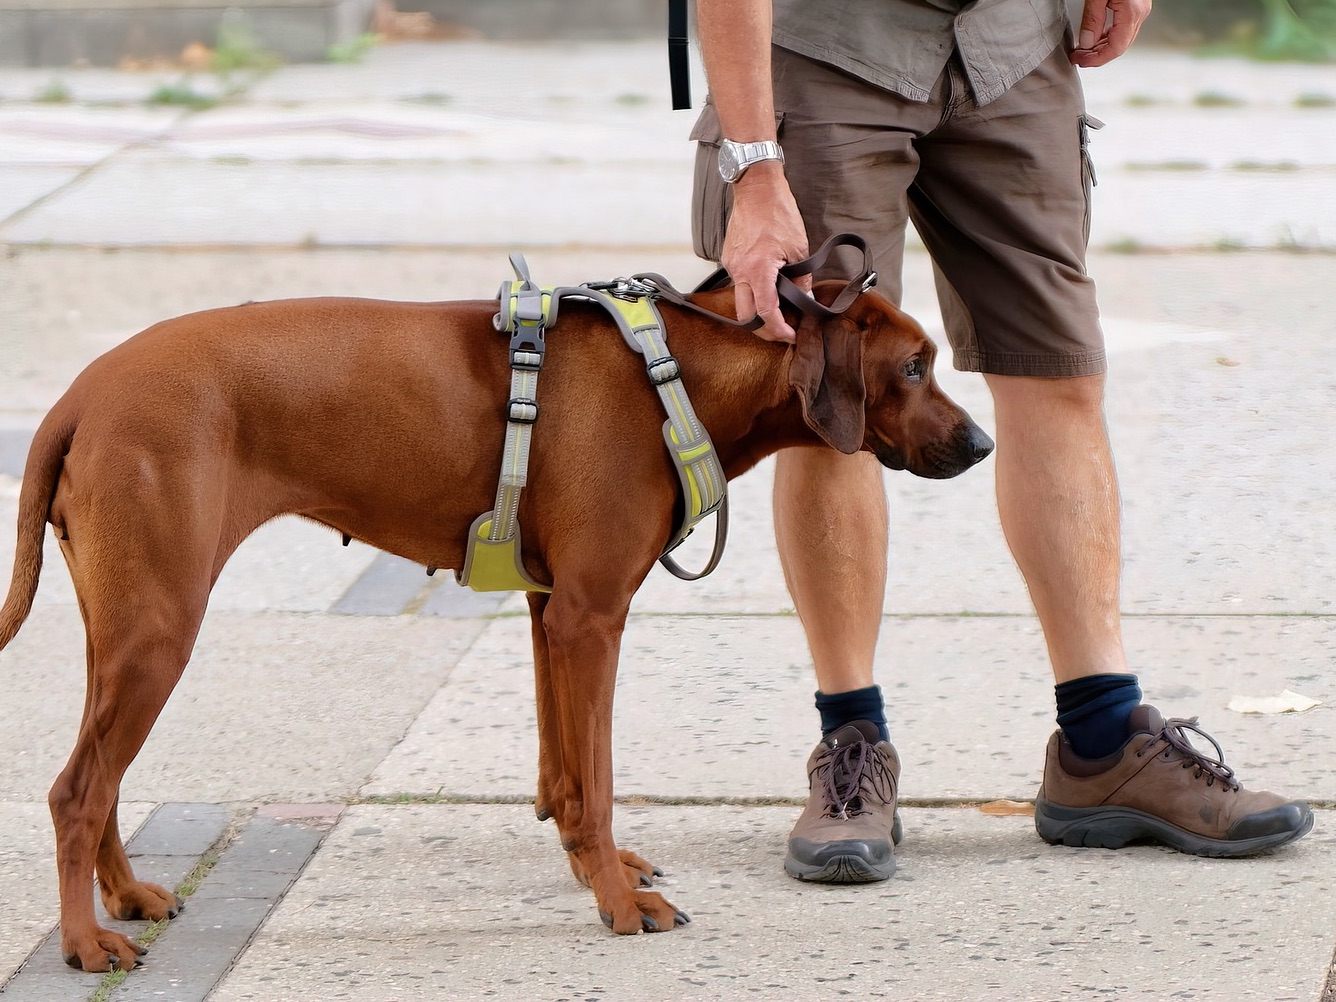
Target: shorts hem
x=1003 y=363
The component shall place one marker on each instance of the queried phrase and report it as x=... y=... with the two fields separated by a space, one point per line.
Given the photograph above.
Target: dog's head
x=865 y=380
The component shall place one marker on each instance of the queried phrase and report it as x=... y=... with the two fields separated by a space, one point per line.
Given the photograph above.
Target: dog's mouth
x=942 y=459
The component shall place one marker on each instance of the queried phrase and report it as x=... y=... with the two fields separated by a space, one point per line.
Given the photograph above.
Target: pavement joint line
x=89 y=170
x=653 y=800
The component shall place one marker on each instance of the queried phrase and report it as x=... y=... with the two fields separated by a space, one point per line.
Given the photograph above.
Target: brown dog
x=384 y=420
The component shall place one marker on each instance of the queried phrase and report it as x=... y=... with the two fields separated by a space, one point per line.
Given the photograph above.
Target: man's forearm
x=735 y=44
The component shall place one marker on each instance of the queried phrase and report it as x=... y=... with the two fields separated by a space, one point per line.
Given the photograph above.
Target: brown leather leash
x=785 y=285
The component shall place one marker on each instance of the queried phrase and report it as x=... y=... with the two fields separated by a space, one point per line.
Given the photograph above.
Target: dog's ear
x=827 y=372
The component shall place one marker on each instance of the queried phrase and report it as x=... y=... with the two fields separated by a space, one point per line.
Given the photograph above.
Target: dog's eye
x=915 y=370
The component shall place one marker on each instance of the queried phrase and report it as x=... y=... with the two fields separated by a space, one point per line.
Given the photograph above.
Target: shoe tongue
x=849 y=734
x=1145 y=718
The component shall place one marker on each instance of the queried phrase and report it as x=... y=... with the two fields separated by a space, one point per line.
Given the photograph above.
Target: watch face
x=729 y=167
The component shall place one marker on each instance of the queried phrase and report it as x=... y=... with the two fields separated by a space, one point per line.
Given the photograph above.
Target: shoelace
x=1175 y=734
x=842 y=772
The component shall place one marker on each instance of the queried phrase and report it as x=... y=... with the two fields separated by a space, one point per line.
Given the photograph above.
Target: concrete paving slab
x=28 y=876
x=722 y=706
x=25 y=185
x=288 y=565
x=272 y=707
x=472 y=901
x=144 y=199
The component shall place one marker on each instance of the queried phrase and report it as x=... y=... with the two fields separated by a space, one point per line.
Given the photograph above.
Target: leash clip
x=629 y=289
x=870 y=281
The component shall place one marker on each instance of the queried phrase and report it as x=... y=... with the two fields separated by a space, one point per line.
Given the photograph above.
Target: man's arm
x=765 y=230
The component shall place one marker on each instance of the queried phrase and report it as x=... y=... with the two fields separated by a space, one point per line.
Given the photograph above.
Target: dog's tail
x=45 y=458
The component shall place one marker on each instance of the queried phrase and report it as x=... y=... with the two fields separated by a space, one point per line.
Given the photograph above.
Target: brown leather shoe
x=848 y=831
x=1159 y=788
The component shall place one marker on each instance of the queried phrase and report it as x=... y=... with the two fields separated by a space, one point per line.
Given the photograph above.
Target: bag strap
x=679 y=67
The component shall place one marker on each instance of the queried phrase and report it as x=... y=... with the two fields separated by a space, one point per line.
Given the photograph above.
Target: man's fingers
x=744 y=300
x=767 y=308
x=1093 y=18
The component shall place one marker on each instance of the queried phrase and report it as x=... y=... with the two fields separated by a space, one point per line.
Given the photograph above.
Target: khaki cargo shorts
x=999 y=194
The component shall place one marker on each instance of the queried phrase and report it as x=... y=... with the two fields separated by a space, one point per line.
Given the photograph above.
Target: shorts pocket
x=1088 y=178
x=711 y=196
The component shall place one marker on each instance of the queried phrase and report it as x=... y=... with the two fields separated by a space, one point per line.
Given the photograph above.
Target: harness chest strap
x=493 y=561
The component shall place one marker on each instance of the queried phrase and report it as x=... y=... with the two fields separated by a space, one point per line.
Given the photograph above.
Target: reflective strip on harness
x=692 y=452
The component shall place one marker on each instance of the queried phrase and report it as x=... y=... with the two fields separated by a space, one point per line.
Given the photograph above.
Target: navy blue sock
x=1093 y=712
x=846 y=707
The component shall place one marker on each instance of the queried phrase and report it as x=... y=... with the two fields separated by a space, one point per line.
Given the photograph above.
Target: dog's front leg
x=551 y=796
x=583 y=642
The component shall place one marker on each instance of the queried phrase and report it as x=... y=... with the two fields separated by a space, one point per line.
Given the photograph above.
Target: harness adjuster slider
x=663 y=370
x=528 y=360
x=522 y=410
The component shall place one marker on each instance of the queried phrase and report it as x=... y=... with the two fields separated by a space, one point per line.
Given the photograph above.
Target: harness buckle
x=527 y=340
x=522 y=410
x=663 y=370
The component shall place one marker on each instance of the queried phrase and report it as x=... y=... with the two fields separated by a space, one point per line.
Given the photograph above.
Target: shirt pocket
x=711 y=196
x=1088 y=124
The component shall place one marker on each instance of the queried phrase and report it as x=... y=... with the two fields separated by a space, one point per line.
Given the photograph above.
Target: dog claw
x=681 y=918
x=607 y=919
x=657 y=872
x=648 y=924
x=542 y=813
x=645 y=881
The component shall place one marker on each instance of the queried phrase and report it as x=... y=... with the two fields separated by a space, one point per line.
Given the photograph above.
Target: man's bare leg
x=831 y=525
x=1057 y=495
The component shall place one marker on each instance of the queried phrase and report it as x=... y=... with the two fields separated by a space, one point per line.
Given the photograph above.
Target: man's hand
x=1107 y=30
x=765 y=232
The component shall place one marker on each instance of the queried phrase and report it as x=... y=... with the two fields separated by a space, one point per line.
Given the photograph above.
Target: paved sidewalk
x=345 y=767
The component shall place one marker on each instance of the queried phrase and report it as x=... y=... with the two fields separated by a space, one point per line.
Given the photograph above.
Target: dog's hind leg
x=551 y=795
x=583 y=643
x=143 y=582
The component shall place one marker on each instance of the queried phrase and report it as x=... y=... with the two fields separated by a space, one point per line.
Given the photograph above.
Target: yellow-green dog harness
x=527 y=311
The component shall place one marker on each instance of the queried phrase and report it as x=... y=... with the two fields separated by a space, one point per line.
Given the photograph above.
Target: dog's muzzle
x=942 y=460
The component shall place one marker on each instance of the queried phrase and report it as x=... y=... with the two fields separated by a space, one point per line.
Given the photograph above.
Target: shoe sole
x=847 y=869
x=1115 y=827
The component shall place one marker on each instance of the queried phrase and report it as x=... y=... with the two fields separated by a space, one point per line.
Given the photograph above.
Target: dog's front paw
x=637 y=871
x=101 y=950
x=141 y=900
x=647 y=911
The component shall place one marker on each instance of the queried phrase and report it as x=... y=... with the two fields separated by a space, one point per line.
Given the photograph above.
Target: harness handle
x=788 y=290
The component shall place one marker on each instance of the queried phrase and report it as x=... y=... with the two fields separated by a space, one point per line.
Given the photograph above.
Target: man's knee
x=1076 y=395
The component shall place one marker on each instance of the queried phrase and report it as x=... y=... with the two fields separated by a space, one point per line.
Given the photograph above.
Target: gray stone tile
x=28 y=879
x=181 y=830
x=478 y=902
x=722 y=707
x=155 y=859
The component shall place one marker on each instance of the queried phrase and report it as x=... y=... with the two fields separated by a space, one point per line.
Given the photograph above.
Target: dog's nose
x=980 y=445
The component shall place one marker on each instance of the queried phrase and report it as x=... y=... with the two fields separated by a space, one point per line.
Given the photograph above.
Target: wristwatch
x=735 y=158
